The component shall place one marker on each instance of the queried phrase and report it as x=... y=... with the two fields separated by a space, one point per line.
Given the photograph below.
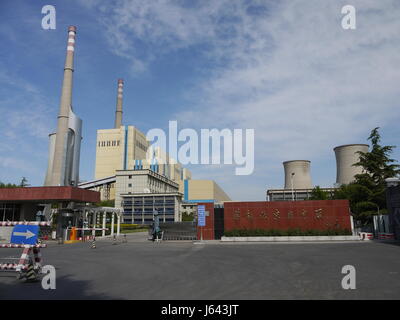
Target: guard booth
x=81 y=223
x=23 y=204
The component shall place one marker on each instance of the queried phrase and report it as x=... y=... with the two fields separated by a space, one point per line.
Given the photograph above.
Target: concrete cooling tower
x=346 y=156
x=297 y=171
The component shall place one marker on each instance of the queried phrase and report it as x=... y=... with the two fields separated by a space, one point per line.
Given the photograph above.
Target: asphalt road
x=141 y=269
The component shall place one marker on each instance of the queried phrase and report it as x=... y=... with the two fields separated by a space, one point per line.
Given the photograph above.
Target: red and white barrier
x=386 y=236
x=12 y=266
x=12 y=245
x=366 y=236
x=91 y=229
x=29 y=223
x=24 y=260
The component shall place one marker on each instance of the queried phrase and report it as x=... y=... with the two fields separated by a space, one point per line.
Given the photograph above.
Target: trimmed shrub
x=288 y=232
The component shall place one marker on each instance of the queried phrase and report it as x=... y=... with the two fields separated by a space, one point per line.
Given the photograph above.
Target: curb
x=289 y=239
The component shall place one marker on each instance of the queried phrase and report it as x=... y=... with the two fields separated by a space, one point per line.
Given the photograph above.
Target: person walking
x=156 y=225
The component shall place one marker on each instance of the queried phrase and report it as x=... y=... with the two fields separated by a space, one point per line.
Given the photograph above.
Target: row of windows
x=145 y=221
x=139 y=211
x=141 y=145
x=109 y=143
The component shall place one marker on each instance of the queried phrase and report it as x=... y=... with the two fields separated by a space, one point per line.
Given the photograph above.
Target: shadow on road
x=393 y=243
x=66 y=289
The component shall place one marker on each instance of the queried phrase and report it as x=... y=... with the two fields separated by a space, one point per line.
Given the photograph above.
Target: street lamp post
x=291 y=180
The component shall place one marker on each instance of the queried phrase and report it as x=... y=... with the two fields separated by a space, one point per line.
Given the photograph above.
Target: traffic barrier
x=27 y=223
x=366 y=236
x=13 y=245
x=30 y=262
x=93 y=246
x=31 y=274
x=12 y=266
x=385 y=236
x=88 y=237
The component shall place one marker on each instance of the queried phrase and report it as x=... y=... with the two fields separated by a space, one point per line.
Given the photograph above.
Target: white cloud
x=288 y=70
x=25 y=124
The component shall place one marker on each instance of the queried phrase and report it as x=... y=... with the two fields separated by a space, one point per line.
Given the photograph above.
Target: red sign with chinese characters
x=283 y=215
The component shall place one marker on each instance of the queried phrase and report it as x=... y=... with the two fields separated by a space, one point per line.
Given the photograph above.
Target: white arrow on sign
x=28 y=234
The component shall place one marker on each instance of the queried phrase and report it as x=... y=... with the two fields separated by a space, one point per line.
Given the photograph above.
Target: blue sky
x=284 y=68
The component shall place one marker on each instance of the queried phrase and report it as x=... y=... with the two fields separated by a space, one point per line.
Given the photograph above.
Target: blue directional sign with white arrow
x=201 y=215
x=24 y=234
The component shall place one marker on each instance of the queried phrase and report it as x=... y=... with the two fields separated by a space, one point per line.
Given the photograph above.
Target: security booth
x=54 y=204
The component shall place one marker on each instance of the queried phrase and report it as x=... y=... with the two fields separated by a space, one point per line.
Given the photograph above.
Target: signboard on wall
x=201 y=215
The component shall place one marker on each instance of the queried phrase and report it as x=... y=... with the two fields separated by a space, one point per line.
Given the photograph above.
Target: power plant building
x=117 y=149
x=140 y=192
x=142 y=179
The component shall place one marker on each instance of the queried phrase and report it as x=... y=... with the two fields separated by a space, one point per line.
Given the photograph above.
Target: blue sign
x=201 y=215
x=24 y=234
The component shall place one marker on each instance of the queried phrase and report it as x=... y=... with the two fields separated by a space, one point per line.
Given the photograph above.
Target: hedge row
x=289 y=232
x=127 y=226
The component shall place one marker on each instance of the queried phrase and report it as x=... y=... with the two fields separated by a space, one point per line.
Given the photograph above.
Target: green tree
x=7 y=185
x=24 y=182
x=106 y=203
x=318 y=194
x=367 y=193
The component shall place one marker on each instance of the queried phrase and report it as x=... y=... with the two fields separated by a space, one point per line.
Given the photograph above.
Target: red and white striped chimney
x=57 y=177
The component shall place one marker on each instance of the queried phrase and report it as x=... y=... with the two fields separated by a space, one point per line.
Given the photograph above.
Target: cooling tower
x=346 y=156
x=297 y=171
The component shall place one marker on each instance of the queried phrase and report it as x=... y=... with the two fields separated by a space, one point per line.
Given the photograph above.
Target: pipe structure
x=297 y=174
x=118 y=112
x=346 y=156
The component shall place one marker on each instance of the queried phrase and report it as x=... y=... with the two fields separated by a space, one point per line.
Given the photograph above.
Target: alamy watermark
x=49 y=20
x=349 y=280
x=237 y=146
x=49 y=279
x=349 y=20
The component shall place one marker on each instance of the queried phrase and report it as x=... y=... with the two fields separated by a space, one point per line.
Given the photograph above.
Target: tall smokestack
x=59 y=159
x=297 y=172
x=118 y=112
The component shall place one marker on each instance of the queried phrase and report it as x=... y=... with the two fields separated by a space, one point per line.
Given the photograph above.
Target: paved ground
x=141 y=269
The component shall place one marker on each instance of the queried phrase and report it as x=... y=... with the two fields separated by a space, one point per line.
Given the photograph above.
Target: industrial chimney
x=297 y=172
x=118 y=112
x=346 y=156
x=64 y=148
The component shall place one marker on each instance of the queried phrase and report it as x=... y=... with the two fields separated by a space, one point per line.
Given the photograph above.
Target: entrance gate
x=218 y=223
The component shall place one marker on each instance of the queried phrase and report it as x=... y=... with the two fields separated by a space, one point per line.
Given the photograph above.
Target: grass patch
x=124 y=228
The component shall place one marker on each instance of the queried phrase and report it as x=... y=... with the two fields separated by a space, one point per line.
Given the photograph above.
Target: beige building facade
x=117 y=149
x=203 y=191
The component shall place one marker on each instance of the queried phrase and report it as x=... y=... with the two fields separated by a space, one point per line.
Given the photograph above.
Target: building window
x=130 y=177
x=130 y=185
